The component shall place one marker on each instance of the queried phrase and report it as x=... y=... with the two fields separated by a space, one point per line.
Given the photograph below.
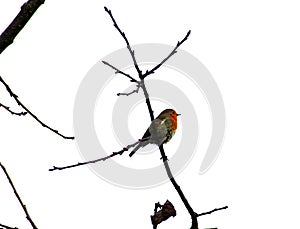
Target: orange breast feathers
x=173 y=121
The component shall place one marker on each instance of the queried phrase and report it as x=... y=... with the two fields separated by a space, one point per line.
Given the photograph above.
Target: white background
x=251 y=48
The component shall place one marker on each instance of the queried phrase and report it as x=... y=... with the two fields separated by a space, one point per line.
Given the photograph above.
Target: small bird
x=160 y=131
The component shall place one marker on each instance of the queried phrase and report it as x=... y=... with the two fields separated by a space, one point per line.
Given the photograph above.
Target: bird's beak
x=178 y=114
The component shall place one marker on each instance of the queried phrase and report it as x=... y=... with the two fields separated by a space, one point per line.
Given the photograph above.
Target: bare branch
x=151 y=113
x=168 y=57
x=6 y=227
x=26 y=12
x=126 y=40
x=138 y=86
x=97 y=160
x=12 y=112
x=119 y=71
x=18 y=197
x=29 y=112
x=178 y=189
x=212 y=211
x=167 y=167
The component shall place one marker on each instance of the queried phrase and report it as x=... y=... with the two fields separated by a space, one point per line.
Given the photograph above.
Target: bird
x=160 y=131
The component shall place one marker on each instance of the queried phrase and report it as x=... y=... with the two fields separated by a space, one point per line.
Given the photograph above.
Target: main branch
x=167 y=167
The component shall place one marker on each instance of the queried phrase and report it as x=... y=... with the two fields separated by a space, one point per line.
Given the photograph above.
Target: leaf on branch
x=166 y=211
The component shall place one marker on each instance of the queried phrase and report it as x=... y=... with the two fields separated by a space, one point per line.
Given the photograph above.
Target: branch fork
x=160 y=215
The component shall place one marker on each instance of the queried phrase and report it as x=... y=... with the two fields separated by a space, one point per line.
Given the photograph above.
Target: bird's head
x=168 y=113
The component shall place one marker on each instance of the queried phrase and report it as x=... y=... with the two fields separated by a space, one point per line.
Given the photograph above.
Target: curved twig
x=12 y=112
x=29 y=112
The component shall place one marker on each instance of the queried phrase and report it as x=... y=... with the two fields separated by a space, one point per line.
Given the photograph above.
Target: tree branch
x=147 y=100
x=6 y=227
x=12 y=112
x=167 y=167
x=119 y=71
x=168 y=57
x=126 y=40
x=178 y=189
x=18 y=197
x=212 y=211
x=138 y=86
x=26 y=12
x=29 y=112
x=97 y=160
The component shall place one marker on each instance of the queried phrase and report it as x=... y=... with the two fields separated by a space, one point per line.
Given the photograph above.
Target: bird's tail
x=140 y=145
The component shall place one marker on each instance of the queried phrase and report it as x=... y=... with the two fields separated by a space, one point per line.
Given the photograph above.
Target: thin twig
x=12 y=112
x=138 y=86
x=97 y=160
x=171 y=54
x=6 y=227
x=126 y=40
x=212 y=211
x=26 y=12
x=29 y=112
x=18 y=197
x=119 y=71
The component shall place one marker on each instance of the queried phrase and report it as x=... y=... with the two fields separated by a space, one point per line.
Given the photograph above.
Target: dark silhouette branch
x=26 y=12
x=147 y=100
x=212 y=211
x=97 y=160
x=126 y=40
x=138 y=86
x=168 y=57
x=121 y=72
x=178 y=189
x=166 y=164
x=12 y=112
x=29 y=112
x=6 y=227
x=18 y=197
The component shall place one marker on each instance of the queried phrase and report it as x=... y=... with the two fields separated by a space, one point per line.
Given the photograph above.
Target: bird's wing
x=158 y=131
